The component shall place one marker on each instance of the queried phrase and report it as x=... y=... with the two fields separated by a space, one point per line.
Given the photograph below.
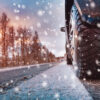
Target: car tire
x=69 y=61
x=86 y=46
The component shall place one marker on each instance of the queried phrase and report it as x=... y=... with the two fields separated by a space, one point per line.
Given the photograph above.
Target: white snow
x=60 y=83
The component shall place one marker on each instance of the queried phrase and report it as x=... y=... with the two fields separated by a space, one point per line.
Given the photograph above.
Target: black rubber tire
x=69 y=61
x=87 y=48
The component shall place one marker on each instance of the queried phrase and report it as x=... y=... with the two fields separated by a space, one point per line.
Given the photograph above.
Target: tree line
x=20 y=47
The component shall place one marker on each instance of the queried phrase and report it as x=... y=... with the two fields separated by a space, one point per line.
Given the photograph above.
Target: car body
x=85 y=14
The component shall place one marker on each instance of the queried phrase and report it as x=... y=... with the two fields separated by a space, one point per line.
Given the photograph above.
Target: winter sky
x=45 y=16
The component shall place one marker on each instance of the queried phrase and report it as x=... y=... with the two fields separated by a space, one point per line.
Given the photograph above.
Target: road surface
x=57 y=83
x=18 y=73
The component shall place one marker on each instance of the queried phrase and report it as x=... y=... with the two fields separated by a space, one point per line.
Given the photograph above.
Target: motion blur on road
x=58 y=82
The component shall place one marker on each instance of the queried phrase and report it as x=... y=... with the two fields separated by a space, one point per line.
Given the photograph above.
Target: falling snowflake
x=56 y=95
x=17 y=18
x=7 y=84
x=97 y=62
x=37 y=3
x=98 y=25
x=39 y=25
x=50 y=12
x=44 y=75
x=89 y=73
x=28 y=67
x=68 y=45
x=1 y=90
x=45 y=32
x=23 y=6
x=16 y=89
x=40 y=12
x=87 y=4
x=16 y=11
x=92 y=4
x=18 y=5
x=14 y=4
x=44 y=84
x=28 y=17
x=98 y=70
x=76 y=36
x=75 y=68
x=11 y=81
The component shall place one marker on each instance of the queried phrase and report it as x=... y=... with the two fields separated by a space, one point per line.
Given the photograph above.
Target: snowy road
x=17 y=73
x=57 y=83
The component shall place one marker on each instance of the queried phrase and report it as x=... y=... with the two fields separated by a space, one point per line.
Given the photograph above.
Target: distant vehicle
x=83 y=36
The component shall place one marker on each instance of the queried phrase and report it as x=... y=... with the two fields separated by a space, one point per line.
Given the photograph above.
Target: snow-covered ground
x=57 y=83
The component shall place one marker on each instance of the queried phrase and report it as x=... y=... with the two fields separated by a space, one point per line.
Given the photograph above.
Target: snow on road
x=17 y=73
x=57 y=83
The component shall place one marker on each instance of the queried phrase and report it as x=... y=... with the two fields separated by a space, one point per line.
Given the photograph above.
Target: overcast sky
x=45 y=16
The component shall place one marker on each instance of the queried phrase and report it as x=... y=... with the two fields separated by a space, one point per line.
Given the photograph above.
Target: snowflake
x=23 y=6
x=98 y=70
x=37 y=3
x=1 y=90
x=29 y=94
x=18 y=5
x=40 y=12
x=92 y=4
x=28 y=17
x=84 y=79
x=56 y=95
x=45 y=32
x=16 y=11
x=11 y=81
x=73 y=77
x=87 y=4
x=44 y=84
x=76 y=36
x=7 y=84
x=17 y=17
x=28 y=67
x=50 y=12
x=14 y=4
x=79 y=38
x=97 y=62
x=44 y=75
x=89 y=73
x=16 y=89
x=76 y=68
x=68 y=45
x=39 y=25
x=98 y=25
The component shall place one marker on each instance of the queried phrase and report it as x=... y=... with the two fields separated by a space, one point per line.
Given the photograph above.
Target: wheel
x=69 y=61
x=85 y=45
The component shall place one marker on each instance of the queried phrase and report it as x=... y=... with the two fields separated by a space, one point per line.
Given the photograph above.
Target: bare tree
x=11 y=40
x=4 y=22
